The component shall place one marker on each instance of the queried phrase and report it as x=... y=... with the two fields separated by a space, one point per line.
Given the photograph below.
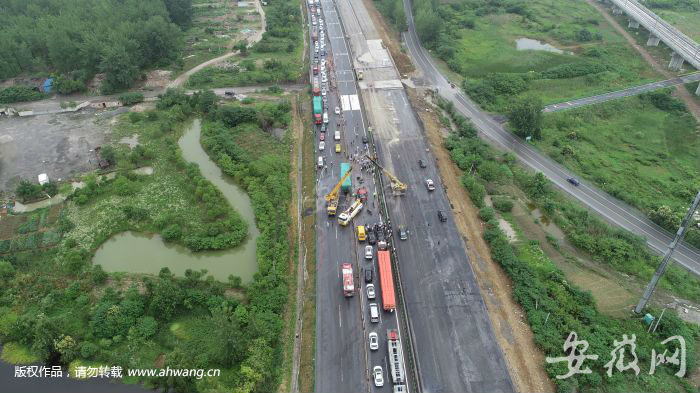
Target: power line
x=667 y=256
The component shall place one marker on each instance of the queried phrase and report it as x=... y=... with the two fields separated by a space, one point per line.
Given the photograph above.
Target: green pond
x=140 y=253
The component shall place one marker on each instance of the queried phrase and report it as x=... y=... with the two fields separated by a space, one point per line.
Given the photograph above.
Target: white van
x=337 y=136
x=320 y=161
x=325 y=117
x=373 y=313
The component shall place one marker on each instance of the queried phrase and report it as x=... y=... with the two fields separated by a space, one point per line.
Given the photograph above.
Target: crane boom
x=332 y=197
x=397 y=186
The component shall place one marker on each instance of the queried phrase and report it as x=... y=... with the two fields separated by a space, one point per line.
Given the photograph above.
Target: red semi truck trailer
x=386 y=279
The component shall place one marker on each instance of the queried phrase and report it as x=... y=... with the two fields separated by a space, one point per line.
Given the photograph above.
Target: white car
x=370 y=292
x=323 y=92
x=369 y=252
x=373 y=341
x=324 y=79
x=337 y=110
x=429 y=183
x=378 y=376
x=322 y=145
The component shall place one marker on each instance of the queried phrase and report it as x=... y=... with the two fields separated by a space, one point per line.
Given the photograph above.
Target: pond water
x=530 y=44
x=143 y=253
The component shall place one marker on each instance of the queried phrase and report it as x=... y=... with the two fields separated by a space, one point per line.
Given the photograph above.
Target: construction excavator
x=333 y=196
x=396 y=186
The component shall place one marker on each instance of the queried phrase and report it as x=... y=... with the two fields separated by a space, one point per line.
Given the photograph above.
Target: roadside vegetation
x=477 y=40
x=56 y=306
x=609 y=246
x=275 y=58
x=76 y=39
x=553 y=306
x=643 y=150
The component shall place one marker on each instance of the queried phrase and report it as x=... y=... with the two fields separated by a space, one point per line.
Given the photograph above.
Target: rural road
x=632 y=91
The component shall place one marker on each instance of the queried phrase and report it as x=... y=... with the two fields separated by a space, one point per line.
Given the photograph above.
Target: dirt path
x=296 y=214
x=180 y=80
x=525 y=361
x=682 y=92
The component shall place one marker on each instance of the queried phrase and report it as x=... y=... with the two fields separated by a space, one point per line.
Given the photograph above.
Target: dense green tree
x=180 y=11
x=427 y=25
x=525 y=116
x=27 y=190
x=89 y=36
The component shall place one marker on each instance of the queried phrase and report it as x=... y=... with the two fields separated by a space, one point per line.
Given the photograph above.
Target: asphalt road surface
x=632 y=91
x=612 y=209
x=343 y=359
x=455 y=346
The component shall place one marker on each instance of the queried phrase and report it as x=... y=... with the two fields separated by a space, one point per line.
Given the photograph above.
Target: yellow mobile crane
x=396 y=186
x=332 y=197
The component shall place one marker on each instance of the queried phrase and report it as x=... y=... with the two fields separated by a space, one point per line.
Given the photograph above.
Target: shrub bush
x=502 y=204
x=130 y=98
x=19 y=94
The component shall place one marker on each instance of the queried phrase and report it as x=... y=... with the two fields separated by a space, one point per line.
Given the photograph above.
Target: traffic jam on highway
x=333 y=114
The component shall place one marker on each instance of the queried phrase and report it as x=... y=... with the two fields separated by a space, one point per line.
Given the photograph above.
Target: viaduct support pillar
x=617 y=10
x=676 y=62
x=633 y=24
x=653 y=40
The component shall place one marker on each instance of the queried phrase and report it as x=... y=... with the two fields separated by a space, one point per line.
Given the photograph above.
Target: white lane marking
x=354 y=102
x=340 y=321
x=345 y=102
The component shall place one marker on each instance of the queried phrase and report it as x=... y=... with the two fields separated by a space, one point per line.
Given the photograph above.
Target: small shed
x=43 y=178
x=243 y=4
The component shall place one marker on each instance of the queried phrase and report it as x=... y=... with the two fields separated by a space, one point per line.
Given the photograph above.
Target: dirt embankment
x=525 y=361
x=390 y=38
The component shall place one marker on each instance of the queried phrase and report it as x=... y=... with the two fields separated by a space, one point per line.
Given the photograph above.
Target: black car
x=228 y=93
x=422 y=164
x=573 y=181
x=442 y=216
x=365 y=140
x=371 y=236
x=323 y=127
x=368 y=275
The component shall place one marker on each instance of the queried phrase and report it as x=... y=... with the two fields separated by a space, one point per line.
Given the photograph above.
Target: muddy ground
x=58 y=145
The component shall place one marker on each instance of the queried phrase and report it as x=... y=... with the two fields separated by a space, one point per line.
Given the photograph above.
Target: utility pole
x=667 y=256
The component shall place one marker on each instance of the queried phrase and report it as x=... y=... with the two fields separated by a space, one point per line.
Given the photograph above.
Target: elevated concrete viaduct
x=684 y=48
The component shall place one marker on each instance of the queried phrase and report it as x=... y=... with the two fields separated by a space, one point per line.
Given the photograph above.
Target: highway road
x=343 y=360
x=612 y=209
x=632 y=91
x=453 y=337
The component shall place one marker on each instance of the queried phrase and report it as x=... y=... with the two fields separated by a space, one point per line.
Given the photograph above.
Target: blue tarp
x=48 y=83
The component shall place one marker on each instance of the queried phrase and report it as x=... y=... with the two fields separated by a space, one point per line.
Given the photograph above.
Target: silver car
x=378 y=376
x=370 y=292
x=369 y=252
x=373 y=341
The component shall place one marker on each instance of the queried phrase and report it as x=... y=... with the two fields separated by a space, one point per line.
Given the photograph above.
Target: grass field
x=490 y=48
x=631 y=149
x=285 y=67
